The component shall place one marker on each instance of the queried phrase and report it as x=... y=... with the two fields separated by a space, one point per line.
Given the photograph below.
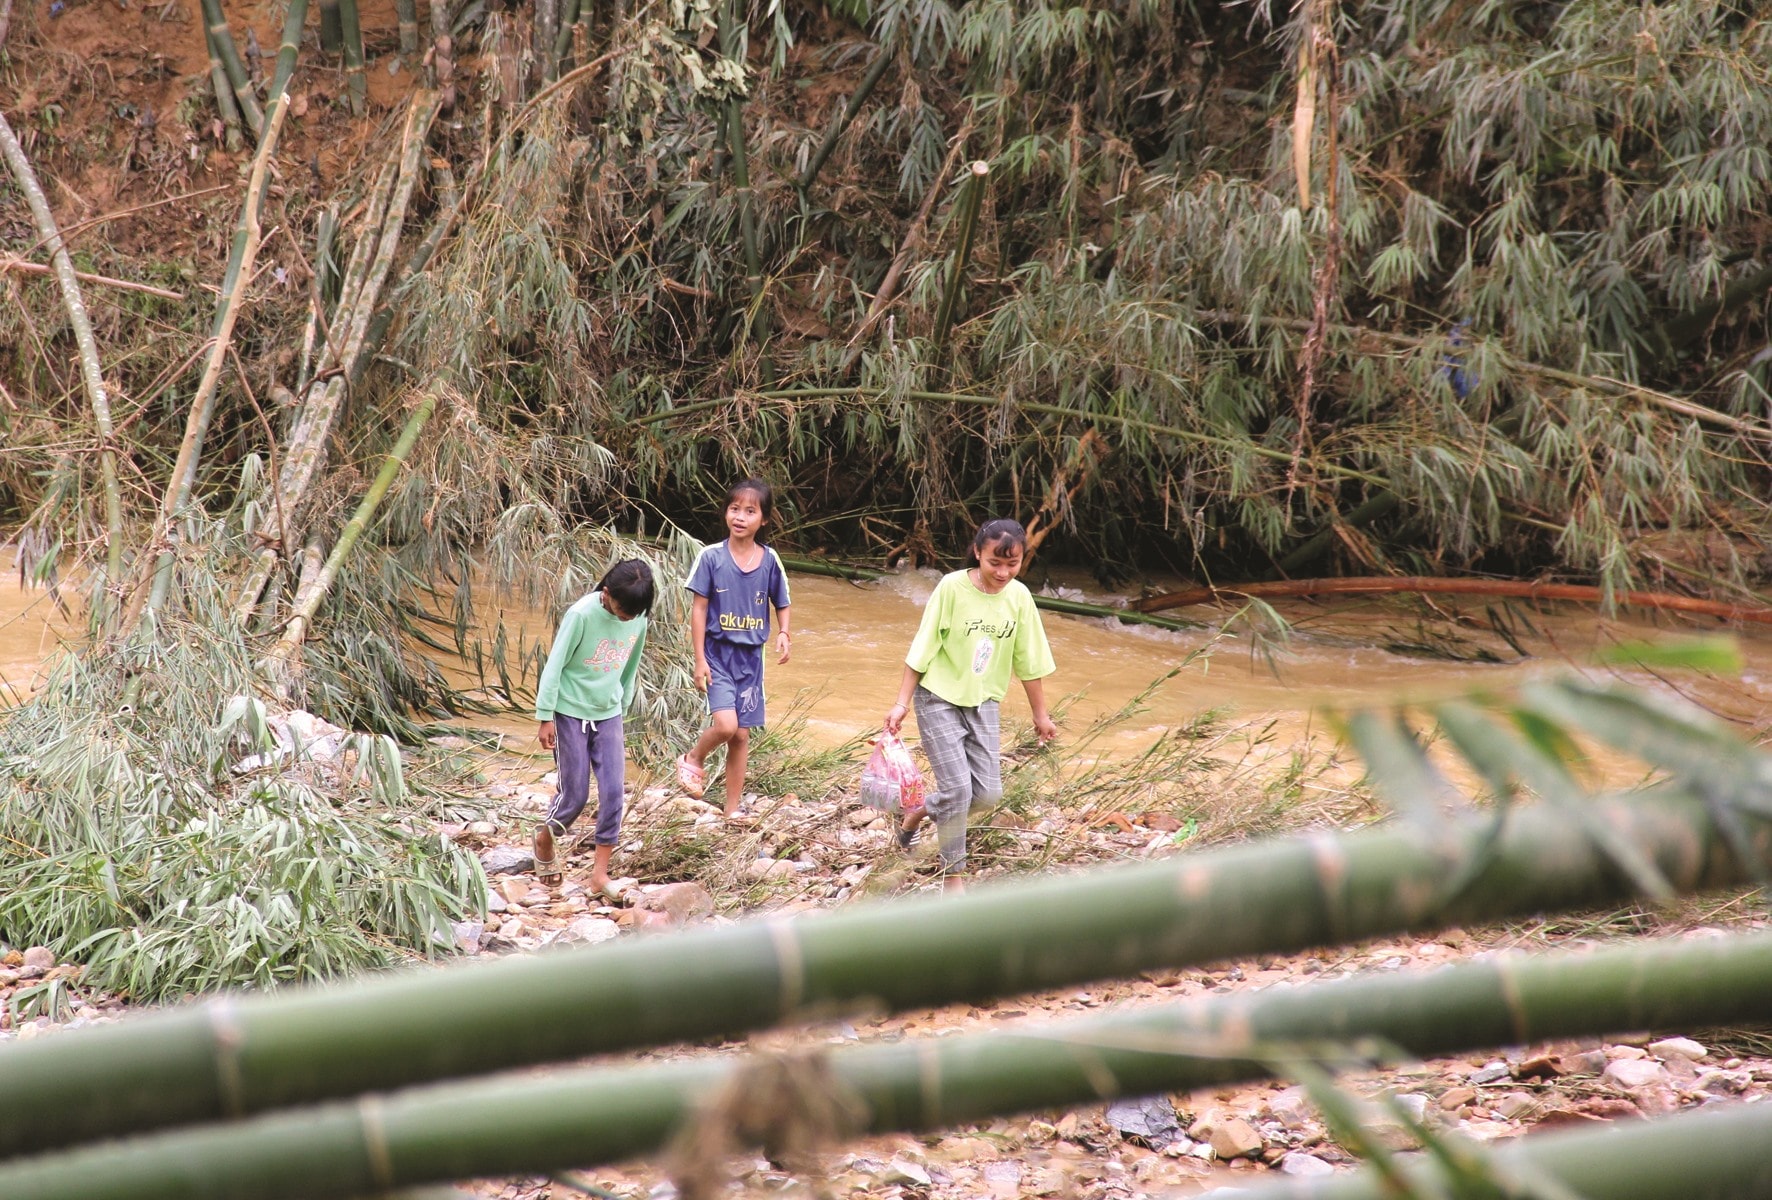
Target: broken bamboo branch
x=857 y=98
x=314 y=591
x=22 y=267
x=969 y=202
x=91 y=373
x=233 y=293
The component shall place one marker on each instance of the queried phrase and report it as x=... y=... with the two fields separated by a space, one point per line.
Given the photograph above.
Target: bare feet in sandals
x=547 y=867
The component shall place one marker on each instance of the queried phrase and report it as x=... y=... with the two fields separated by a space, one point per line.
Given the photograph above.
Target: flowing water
x=849 y=641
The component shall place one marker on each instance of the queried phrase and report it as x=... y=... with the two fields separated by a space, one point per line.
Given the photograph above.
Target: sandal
x=691 y=778
x=547 y=870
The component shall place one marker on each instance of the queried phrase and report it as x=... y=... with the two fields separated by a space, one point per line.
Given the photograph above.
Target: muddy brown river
x=849 y=640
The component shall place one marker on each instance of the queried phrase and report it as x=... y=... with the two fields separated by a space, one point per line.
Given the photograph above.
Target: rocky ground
x=788 y=854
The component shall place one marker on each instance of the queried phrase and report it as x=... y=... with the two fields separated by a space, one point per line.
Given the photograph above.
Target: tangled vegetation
x=1403 y=286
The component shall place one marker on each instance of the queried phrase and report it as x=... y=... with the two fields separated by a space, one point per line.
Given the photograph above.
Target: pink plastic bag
x=891 y=781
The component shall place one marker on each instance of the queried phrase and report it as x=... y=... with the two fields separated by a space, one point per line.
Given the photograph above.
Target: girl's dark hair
x=765 y=498
x=998 y=533
x=629 y=584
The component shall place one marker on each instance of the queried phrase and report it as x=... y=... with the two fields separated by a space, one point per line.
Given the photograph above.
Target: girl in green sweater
x=586 y=686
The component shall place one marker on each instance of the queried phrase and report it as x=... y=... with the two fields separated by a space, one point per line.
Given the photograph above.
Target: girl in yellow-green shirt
x=979 y=627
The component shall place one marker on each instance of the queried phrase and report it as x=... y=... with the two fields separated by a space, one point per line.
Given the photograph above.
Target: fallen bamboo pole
x=22 y=267
x=528 y=1124
x=91 y=370
x=235 y=1057
x=1522 y=589
x=834 y=133
x=312 y=596
x=788 y=395
x=235 y=281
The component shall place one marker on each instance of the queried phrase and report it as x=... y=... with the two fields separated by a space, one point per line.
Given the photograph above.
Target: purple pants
x=583 y=749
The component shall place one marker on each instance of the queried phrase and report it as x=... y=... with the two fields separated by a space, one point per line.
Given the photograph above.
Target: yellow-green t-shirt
x=970 y=641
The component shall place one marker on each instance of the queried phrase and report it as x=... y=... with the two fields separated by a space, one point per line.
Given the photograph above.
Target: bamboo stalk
x=545 y=28
x=222 y=42
x=968 y=214
x=352 y=34
x=348 y=347
x=1523 y=589
x=1715 y=1152
x=325 y=269
x=225 y=102
x=757 y=321
x=332 y=36
x=913 y=238
x=531 y=1124
x=236 y=1057
x=21 y=267
x=1314 y=547
x=407 y=13
x=233 y=294
x=91 y=372
x=313 y=596
x=357 y=327
x=832 y=135
x=569 y=10
x=287 y=50
x=787 y=395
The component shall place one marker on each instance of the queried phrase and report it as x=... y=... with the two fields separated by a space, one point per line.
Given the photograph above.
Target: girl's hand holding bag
x=891 y=781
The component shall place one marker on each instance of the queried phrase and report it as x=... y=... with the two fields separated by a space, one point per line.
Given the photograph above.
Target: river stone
x=506 y=860
x=1234 y=1138
x=468 y=935
x=1147 y=1119
x=1516 y=1105
x=759 y=869
x=905 y=1173
x=587 y=931
x=1678 y=1047
x=1297 y=1162
x=1291 y=1108
x=1635 y=1072
x=8 y=977
x=682 y=902
x=1493 y=1072
x=39 y=957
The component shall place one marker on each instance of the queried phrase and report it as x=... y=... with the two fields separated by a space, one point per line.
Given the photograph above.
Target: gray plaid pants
x=964 y=746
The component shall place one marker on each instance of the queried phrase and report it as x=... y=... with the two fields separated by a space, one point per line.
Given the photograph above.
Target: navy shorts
x=735 y=681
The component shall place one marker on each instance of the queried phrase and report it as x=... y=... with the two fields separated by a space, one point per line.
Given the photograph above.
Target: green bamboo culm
x=159 y=565
x=970 y=200
x=236 y=1058
x=225 y=104
x=308 y=603
x=332 y=28
x=1711 y=1154
x=92 y=374
x=569 y=11
x=406 y=12
x=509 y=1125
x=357 y=83
x=287 y=50
x=222 y=41
x=834 y=133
